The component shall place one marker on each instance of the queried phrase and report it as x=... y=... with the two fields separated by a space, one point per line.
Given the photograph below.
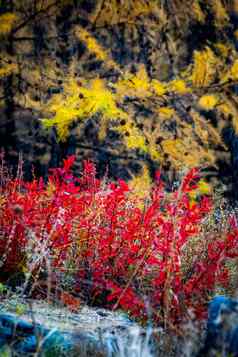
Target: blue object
x=233 y=342
x=222 y=327
x=24 y=337
x=27 y=345
x=218 y=305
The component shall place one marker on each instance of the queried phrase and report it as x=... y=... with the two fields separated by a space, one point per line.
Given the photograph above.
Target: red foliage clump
x=133 y=255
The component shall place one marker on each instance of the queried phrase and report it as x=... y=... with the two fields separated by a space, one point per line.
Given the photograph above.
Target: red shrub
x=132 y=254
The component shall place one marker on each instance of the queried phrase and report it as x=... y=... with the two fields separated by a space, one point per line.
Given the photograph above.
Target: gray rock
x=55 y=331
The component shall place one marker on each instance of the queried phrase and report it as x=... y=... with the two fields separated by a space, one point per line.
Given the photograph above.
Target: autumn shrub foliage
x=133 y=253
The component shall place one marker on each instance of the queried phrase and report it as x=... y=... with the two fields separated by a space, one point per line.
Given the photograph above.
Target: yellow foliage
x=176 y=150
x=178 y=86
x=225 y=109
x=7 y=21
x=91 y=43
x=158 y=87
x=83 y=99
x=140 y=81
x=50 y=189
x=235 y=124
x=205 y=66
x=200 y=129
x=3 y=200
x=236 y=34
x=153 y=151
x=229 y=108
x=208 y=102
x=197 y=12
x=186 y=153
x=203 y=189
x=166 y=112
x=134 y=85
x=80 y=102
x=142 y=183
x=206 y=131
x=8 y=69
x=134 y=139
x=27 y=101
x=93 y=46
x=113 y=12
x=220 y=13
x=139 y=85
x=224 y=49
x=235 y=6
x=232 y=73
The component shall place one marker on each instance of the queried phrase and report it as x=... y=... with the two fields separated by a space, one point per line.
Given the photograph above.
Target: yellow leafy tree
x=93 y=46
x=141 y=184
x=163 y=119
x=7 y=21
x=220 y=13
x=166 y=112
x=135 y=85
x=208 y=101
x=228 y=107
x=80 y=101
x=197 y=12
x=205 y=66
x=114 y=12
x=83 y=99
x=178 y=86
x=7 y=68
